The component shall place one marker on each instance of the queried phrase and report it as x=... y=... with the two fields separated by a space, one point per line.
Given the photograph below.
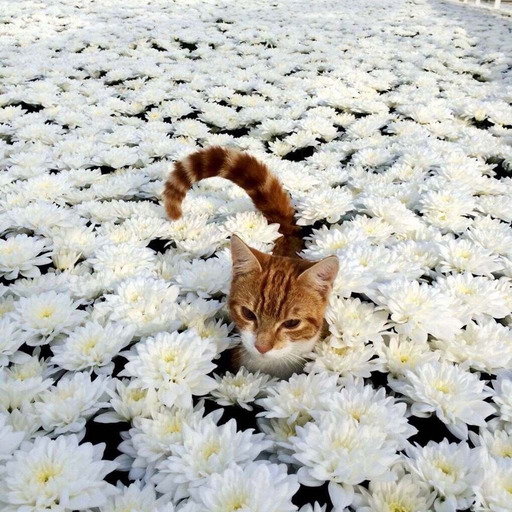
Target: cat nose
x=262 y=348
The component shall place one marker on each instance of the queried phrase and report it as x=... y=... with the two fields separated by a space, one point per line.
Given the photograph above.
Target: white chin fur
x=275 y=361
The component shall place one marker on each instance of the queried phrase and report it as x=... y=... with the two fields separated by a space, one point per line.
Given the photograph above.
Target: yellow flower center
x=210 y=449
x=173 y=427
x=46 y=312
x=138 y=394
x=236 y=503
x=89 y=345
x=341 y=351
x=45 y=474
x=398 y=507
x=506 y=451
x=445 y=468
x=442 y=386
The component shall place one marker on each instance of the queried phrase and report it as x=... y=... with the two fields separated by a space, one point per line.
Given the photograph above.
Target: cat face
x=278 y=305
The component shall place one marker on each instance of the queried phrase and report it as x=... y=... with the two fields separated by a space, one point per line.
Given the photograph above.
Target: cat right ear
x=243 y=258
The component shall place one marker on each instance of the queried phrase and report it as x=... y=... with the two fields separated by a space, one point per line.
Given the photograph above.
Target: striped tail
x=247 y=172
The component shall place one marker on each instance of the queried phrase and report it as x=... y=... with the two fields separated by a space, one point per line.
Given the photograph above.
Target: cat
x=276 y=301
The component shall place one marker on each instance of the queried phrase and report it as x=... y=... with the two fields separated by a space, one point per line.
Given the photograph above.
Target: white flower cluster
x=390 y=125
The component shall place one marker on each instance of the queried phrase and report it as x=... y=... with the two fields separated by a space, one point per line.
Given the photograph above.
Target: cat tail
x=246 y=171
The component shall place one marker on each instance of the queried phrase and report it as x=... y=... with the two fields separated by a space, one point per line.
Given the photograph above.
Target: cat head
x=278 y=304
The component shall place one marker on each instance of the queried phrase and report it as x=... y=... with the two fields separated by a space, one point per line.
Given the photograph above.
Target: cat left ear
x=243 y=258
x=322 y=274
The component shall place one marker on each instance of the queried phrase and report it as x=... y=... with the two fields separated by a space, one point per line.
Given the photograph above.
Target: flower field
x=390 y=125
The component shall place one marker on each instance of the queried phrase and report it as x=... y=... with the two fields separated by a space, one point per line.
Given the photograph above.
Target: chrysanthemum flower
x=59 y=473
x=330 y=204
x=92 y=346
x=45 y=316
x=301 y=395
x=341 y=450
x=371 y=407
x=257 y=486
x=336 y=358
x=175 y=364
x=12 y=339
x=356 y=322
x=253 y=228
x=137 y=496
x=418 y=309
x=495 y=491
x=24 y=380
x=128 y=401
x=241 y=388
x=485 y=345
x=451 y=469
x=10 y=438
x=456 y=396
x=502 y=396
x=398 y=354
x=21 y=255
x=205 y=450
x=406 y=494
x=149 y=305
x=67 y=406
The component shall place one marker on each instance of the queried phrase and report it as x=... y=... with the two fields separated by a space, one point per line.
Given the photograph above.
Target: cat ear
x=243 y=258
x=321 y=275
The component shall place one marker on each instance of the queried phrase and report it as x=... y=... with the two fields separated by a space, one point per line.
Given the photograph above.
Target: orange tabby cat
x=277 y=301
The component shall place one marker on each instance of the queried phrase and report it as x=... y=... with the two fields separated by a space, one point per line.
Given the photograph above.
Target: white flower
x=418 y=309
x=67 y=406
x=301 y=395
x=334 y=357
x=10 y=439
x=498 y=444
x=119 y=157
x=451 y=469
x=207 y=449
x=21 y=255
x=23 y=381
x=175 y=364
x=241 y=388
x=502 y=396
x=47 y=474
x=485 y=345
x=11 y=339
x=253 y=228
x=406 y=494
x=400 y=354
x=329 y=204
x=153 y=439
x=465 y=256
x=149 y=305
x=456 y=396
x=118 y=262
x=191 y=128
x=341 y=450
x=205 y=277
x=393 y=212
x=495 y=491
x=356 y=322
x=92 y=346
x=128 y=401
x=45 y=316
x=139 y=497
x=473 y=296
x=256 y=487
x=371 y=407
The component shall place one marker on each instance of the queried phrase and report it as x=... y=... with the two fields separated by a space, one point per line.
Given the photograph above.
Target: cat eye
x=290 y=324
x=248 y=314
